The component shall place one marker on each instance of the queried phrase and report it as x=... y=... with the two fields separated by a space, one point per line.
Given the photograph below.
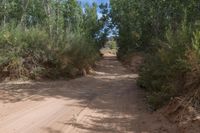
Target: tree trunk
x=47 y=8
x=23 y=17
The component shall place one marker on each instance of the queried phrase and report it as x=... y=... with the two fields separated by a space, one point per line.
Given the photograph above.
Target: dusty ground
x=186 y=117
x=107 y=101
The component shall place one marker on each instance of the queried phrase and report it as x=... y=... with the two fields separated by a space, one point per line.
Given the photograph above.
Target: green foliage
x=47 y=38
x=149 y=20
x=196 y=42
x=21 y=52
x=32 y=53
x=112 y=44
x=81 y=52
x=164 y=30
x=163 y=73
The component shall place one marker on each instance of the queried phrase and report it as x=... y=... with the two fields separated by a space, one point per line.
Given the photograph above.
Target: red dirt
x=108 y=101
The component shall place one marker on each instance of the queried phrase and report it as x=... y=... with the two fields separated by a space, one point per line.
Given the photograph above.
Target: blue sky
x=83 y=2
x=92 y=1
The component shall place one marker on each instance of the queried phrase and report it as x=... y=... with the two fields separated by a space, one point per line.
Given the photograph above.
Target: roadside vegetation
x=52 y=39
x=168 y=32
x=47 y=38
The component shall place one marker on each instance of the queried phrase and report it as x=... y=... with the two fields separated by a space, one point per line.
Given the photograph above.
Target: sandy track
x=107 y=101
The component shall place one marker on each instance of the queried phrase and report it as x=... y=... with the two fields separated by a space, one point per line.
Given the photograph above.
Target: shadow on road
x=111 y=90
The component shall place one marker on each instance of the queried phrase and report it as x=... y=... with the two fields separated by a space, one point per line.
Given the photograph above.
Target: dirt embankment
x=186 y=117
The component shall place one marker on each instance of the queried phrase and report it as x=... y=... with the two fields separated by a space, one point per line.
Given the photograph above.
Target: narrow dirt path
x=107 y=101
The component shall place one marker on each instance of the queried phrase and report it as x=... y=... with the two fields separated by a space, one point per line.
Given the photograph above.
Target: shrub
x=196 y=42
x=22 y=51
x=31 y=53
x=77 y=53
x=163 y=73
x=112 y=44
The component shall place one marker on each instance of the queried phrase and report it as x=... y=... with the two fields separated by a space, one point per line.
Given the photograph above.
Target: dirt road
x=107 y=101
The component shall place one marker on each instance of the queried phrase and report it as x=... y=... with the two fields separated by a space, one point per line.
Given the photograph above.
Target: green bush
x=164 y=71
x=31 y=53
x=75 y=53
x=22 y=51
x=196 y=42
x=112 y=44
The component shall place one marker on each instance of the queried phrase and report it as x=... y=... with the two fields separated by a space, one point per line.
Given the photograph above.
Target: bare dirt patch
x=107 y=101
x=185 y=116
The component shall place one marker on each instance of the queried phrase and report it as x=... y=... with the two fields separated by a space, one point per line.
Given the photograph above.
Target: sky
x=92 y=1
x=83 y=2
